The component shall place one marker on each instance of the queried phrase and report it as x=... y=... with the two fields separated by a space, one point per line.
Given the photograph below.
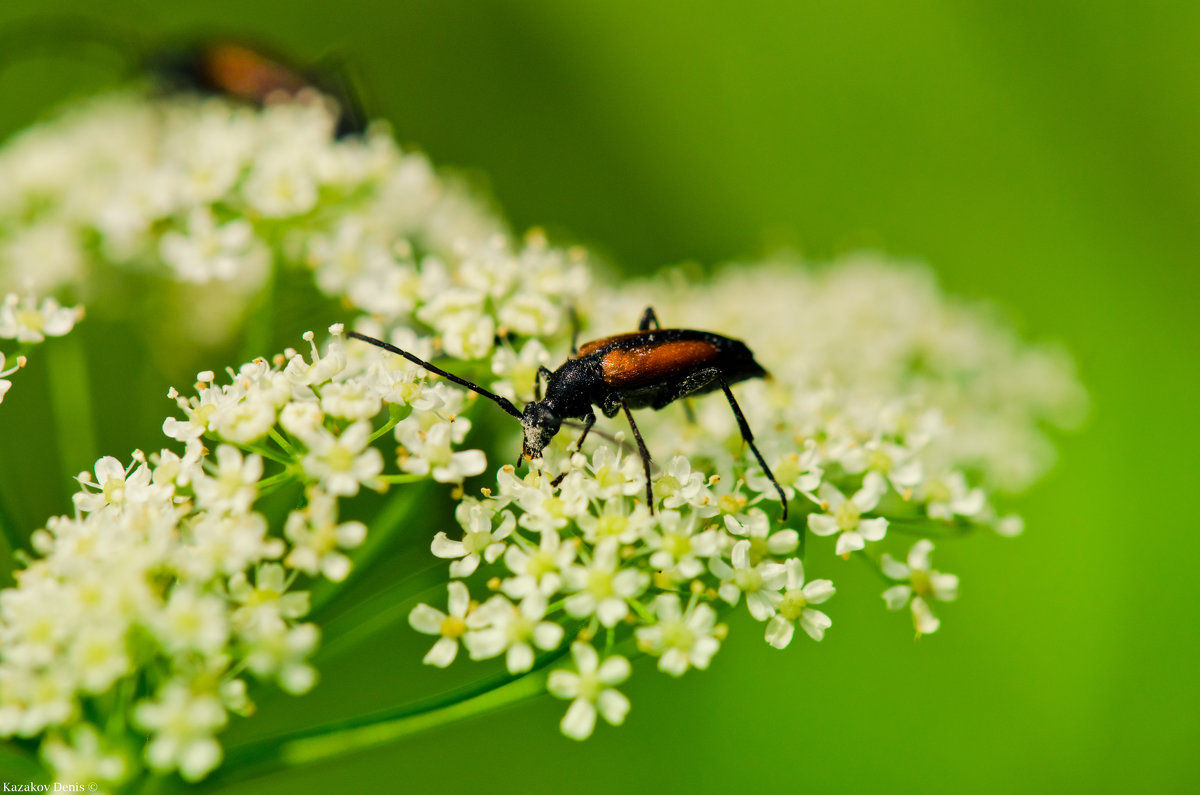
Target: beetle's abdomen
x=656 y=362
x=243 y=73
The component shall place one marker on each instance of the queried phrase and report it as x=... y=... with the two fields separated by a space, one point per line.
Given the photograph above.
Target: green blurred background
x=1044 y=154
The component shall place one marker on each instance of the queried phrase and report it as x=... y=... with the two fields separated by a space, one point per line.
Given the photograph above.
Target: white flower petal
x=897 y=596
x=849 y=542
x=614 y=706
x=873 y=529
x=814 y=622
x=918 y=556
x=442 y=653
x=923 y=618
x=580 y=720
x=893 y=568
x=818 y=591
x=614 y=670
x=779 y=632
x=822 y=524
x=426 y=619
x=783 y=542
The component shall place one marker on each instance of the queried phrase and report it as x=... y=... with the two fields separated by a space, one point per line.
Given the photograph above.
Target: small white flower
x=922 y=583
x=341 y=463
x=207 y=251
x=480 y=540
x=26 y=321
x=538 y=570
x=352 y=399
x=519 y=371
x=267 y=605
x=760 y=582
x=844 y=516
x=317 y=538
x=681 y=486
x=592 y=689
x=763 y=543
x=182 y=724
x=680 y=639
x=950 y=496
x=676 y=547
x=5 y=384
x=616 y=520
x=430 y=452
x=282 y=652
x=322 y=368
x=499 y=626
x=84 y=757
x=117 y=486
x=797 y=596
x=450 y=626
x=233 y=488
x=796 y=472
x=191 y=621
x=602 y=588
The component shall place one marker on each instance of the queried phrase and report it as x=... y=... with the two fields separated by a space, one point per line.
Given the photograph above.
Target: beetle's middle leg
x=643 y=451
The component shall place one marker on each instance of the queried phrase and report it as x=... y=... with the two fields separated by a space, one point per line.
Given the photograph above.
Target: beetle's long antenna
x=503 y=403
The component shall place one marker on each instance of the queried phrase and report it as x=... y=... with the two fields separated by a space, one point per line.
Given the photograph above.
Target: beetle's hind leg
x=744 y=427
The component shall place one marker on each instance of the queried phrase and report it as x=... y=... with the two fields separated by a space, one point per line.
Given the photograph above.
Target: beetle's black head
x=540 y=423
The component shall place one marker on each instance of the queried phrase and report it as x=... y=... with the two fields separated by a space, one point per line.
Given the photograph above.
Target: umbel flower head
x=173 y=595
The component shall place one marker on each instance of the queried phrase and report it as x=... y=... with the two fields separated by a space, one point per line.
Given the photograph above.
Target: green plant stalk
x=387 y=523
x=74 y=425
x=361 y=734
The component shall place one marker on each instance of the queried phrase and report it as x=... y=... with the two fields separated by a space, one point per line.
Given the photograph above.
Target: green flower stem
x=267 y=453
x=929 y=528
x=403 y=479
x=390 y=519
x=287 y=446
x=12 y=537
x=378 y=613
x=261 y=328
x=75 y=429
x=874 y=565
x=367 y=732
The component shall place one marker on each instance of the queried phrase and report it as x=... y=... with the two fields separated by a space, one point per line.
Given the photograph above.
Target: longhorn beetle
x=650 y=367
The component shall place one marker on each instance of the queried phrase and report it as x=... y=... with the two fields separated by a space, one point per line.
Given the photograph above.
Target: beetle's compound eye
x=540 y=424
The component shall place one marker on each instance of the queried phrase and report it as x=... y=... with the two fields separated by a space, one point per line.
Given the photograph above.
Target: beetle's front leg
x=588 y=422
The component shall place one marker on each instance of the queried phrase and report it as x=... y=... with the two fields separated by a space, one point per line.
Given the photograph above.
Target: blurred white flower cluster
x=205 y=191
x=27 y=321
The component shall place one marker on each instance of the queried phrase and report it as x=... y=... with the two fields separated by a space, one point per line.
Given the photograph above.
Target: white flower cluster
x=28 y=322
x=167 y=586
x=890 y=411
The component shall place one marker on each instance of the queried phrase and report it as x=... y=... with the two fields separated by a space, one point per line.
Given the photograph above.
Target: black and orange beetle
x=251 y=73
x=225 y=66
x=648 y=368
